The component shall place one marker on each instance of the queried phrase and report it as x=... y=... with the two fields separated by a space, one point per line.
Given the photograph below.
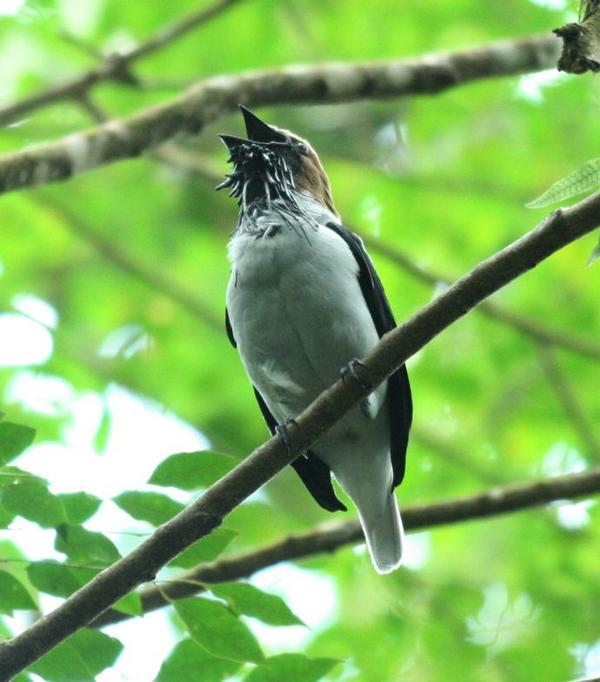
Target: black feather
x=314 y=473
x=398 y=393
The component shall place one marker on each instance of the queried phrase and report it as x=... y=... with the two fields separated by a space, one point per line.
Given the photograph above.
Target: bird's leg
x=282 y=433
x=369 y=405
x=350 y=370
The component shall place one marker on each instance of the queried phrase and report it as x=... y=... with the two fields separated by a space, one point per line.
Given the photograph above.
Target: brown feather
x=311 y=176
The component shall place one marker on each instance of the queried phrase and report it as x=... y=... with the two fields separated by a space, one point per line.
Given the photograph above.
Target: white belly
x=297 y=313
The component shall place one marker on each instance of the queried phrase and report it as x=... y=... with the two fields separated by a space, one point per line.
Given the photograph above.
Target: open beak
x=259 y=131
x=232 y=141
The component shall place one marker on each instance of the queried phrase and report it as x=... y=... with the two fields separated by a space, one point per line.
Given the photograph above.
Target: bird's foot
x=282 y=433
x=351 y=370
x=367 y=405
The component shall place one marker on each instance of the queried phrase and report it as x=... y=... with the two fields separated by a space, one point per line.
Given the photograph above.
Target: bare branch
x=206 y=513
x=210 y=99
x=568 y=400
x=540 y=332
x=149 y=274
x=581 y=41
x=114 y=67
x=332 y=536
x=170 y=33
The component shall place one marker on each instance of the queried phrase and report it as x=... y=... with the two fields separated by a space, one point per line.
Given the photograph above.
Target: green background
x=442 y=178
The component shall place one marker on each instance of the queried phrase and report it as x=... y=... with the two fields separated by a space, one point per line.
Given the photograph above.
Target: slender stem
x=113 y=67
x=127 y=262
x=568 y=400
x=333 y=536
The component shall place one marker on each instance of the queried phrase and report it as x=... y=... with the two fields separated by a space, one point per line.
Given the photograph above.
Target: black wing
x=398 y=393
x=315 y=475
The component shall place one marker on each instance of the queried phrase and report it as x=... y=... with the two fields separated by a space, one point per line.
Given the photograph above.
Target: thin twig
x=332 y=536
x=208 y=100
x=114 y=67
x=144 y=272
x=568 y=400
x=206 y=513
x=170 y=33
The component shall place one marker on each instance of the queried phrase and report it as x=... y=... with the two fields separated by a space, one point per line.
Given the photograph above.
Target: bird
x=304 y=303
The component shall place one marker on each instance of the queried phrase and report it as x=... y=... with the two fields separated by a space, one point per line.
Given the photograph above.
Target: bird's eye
x=302 y=148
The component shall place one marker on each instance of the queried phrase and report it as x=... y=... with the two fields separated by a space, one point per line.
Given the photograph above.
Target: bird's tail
x=371 y=491
x=384 y=533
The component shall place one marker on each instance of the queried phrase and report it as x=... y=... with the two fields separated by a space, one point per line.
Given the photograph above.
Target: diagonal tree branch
x=540 y=332
x=149 y=274
x=115 y=67
x=206 y=513
x=208 y=100
x=332 y=536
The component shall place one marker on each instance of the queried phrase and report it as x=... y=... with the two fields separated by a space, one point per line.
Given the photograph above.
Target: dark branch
x=114 y=67
x=540 y=332
x=210 y=99
x=330 y=537
x=581 y=41
x=200 y=518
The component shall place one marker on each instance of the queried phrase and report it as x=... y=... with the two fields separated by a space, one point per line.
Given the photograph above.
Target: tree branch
x=540 y=332
x=581 y=41
x=332 y=536
x=566 y=397
x=210 y=99
x=150 y=275
x=206 y=513
x=114 y=67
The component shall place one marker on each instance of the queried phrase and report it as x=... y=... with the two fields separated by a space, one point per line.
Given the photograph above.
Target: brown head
x=272 y=162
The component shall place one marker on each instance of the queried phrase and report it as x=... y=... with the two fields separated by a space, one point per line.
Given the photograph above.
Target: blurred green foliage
x=444 y=179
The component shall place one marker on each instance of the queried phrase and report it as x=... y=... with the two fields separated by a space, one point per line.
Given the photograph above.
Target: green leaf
x=6 y=517
x=31 y=499
x=13 y=595
x=84 y=546
x=585 y=179
x=12 y=474
x=103 y=431
x=79 y=507
x=131 y=604
x=146 y=506
x=215 y=628
x=192 y=470
x=206 y=549
x=58 y=579
x=187 y=660
x=595 y=253
x=246 y=599
x=14 y=438
x=80 y=658
x=292 y=668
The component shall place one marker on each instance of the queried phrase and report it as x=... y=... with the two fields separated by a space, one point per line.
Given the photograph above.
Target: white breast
x=297 y=312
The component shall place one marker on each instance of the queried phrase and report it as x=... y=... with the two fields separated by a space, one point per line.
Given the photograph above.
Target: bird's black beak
x=232 y=141
x=259 y=131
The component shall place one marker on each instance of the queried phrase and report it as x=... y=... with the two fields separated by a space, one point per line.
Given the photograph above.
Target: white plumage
x=298 y=316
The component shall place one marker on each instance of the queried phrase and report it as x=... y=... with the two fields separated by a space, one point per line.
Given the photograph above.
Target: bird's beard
x=262 y=181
